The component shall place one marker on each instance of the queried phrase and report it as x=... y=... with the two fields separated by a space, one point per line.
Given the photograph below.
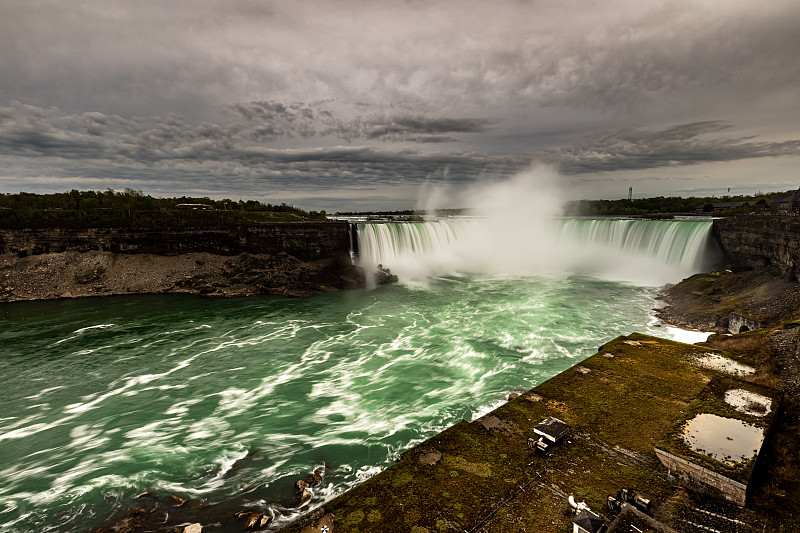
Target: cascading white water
x=383 y=243
x=645 y=251
x=680 y=243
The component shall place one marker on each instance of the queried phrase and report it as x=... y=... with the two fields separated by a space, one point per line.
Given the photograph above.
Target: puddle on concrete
x=715 y=361
x=748 y=402
x=727 y=440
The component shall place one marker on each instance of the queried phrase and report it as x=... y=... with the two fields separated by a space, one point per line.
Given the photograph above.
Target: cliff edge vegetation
x=91 y=243
x=132 y=209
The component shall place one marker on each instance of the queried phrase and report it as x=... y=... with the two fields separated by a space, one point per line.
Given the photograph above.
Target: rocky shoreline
x=705 y=301
x=73 y=274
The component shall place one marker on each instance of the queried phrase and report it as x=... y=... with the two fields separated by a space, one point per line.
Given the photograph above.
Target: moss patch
x=478 y=469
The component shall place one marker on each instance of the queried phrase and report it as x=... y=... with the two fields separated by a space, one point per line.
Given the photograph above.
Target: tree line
x=131 y=208
x=671 y=205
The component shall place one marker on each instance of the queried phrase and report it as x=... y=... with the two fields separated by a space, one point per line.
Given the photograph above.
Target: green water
x=103 y=399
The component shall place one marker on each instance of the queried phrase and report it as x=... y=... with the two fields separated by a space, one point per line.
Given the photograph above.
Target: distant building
x=201 y=207
x=721 y=206
x=784 y=205
x=727 y=206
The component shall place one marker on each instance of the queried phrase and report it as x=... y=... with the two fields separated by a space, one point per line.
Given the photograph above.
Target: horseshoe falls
x=650 y=252
x=104 y=399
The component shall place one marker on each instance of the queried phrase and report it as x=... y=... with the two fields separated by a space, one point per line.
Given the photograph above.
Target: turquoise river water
x=104 y=399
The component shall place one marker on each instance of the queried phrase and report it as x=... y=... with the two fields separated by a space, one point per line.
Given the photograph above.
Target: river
x=106 y=398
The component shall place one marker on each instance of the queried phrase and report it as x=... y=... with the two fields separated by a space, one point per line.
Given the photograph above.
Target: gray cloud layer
x=684 y=144
x=264 y=92
x=93 y=142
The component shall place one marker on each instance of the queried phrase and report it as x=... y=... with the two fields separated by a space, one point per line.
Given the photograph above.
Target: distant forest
x=131 y=208
x=725 y=205
x=659 y=205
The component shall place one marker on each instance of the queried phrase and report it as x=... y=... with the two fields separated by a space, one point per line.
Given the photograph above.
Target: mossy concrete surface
x=476 y=476
x=711 y=401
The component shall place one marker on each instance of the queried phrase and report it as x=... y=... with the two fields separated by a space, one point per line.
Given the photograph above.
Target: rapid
x=104 y=399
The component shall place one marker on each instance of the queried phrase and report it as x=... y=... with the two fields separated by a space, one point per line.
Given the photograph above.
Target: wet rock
x=193 y=528
x=251 y=518
x=384 y=276
x=305 y=497
x=176 y=501
x=300 y=486
x=252 y=521
x=348 y=282
x=315 y=477
x=513 y=396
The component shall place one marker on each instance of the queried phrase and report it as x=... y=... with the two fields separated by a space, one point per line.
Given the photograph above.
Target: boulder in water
x=315 y=477
x=176 y=501
x=253 y=519
x=193 y=528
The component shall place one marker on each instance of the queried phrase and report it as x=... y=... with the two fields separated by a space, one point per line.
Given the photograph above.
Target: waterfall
x=680 y=243
x=385 y=243
x=646 y=251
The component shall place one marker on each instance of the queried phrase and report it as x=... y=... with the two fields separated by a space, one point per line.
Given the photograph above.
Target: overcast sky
x=363 y=104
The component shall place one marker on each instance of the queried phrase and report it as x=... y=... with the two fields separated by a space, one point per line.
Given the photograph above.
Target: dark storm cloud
x=27 y=130
x=684 y=144
x=168 y=148
x=255 y=92
x=416 y=128
x=267 y=121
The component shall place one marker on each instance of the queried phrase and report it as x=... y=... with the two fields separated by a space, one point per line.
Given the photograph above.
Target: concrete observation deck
x=621 y=403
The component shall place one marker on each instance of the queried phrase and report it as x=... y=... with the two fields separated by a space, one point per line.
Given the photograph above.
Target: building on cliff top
x=195 y=207
x=784 y=205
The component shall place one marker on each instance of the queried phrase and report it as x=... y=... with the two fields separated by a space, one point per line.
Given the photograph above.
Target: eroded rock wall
x=306 y=241
x=750 y=241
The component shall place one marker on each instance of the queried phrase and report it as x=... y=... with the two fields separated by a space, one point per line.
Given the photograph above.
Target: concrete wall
x=700 y=479
x=308 y=241
x=737 y=322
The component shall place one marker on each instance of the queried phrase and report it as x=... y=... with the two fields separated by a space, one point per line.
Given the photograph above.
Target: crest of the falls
x=643 y=251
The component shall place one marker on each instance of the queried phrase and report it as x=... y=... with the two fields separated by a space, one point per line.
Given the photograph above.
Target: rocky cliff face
x=279 y=259
x=750 y=241
x=308 y=241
